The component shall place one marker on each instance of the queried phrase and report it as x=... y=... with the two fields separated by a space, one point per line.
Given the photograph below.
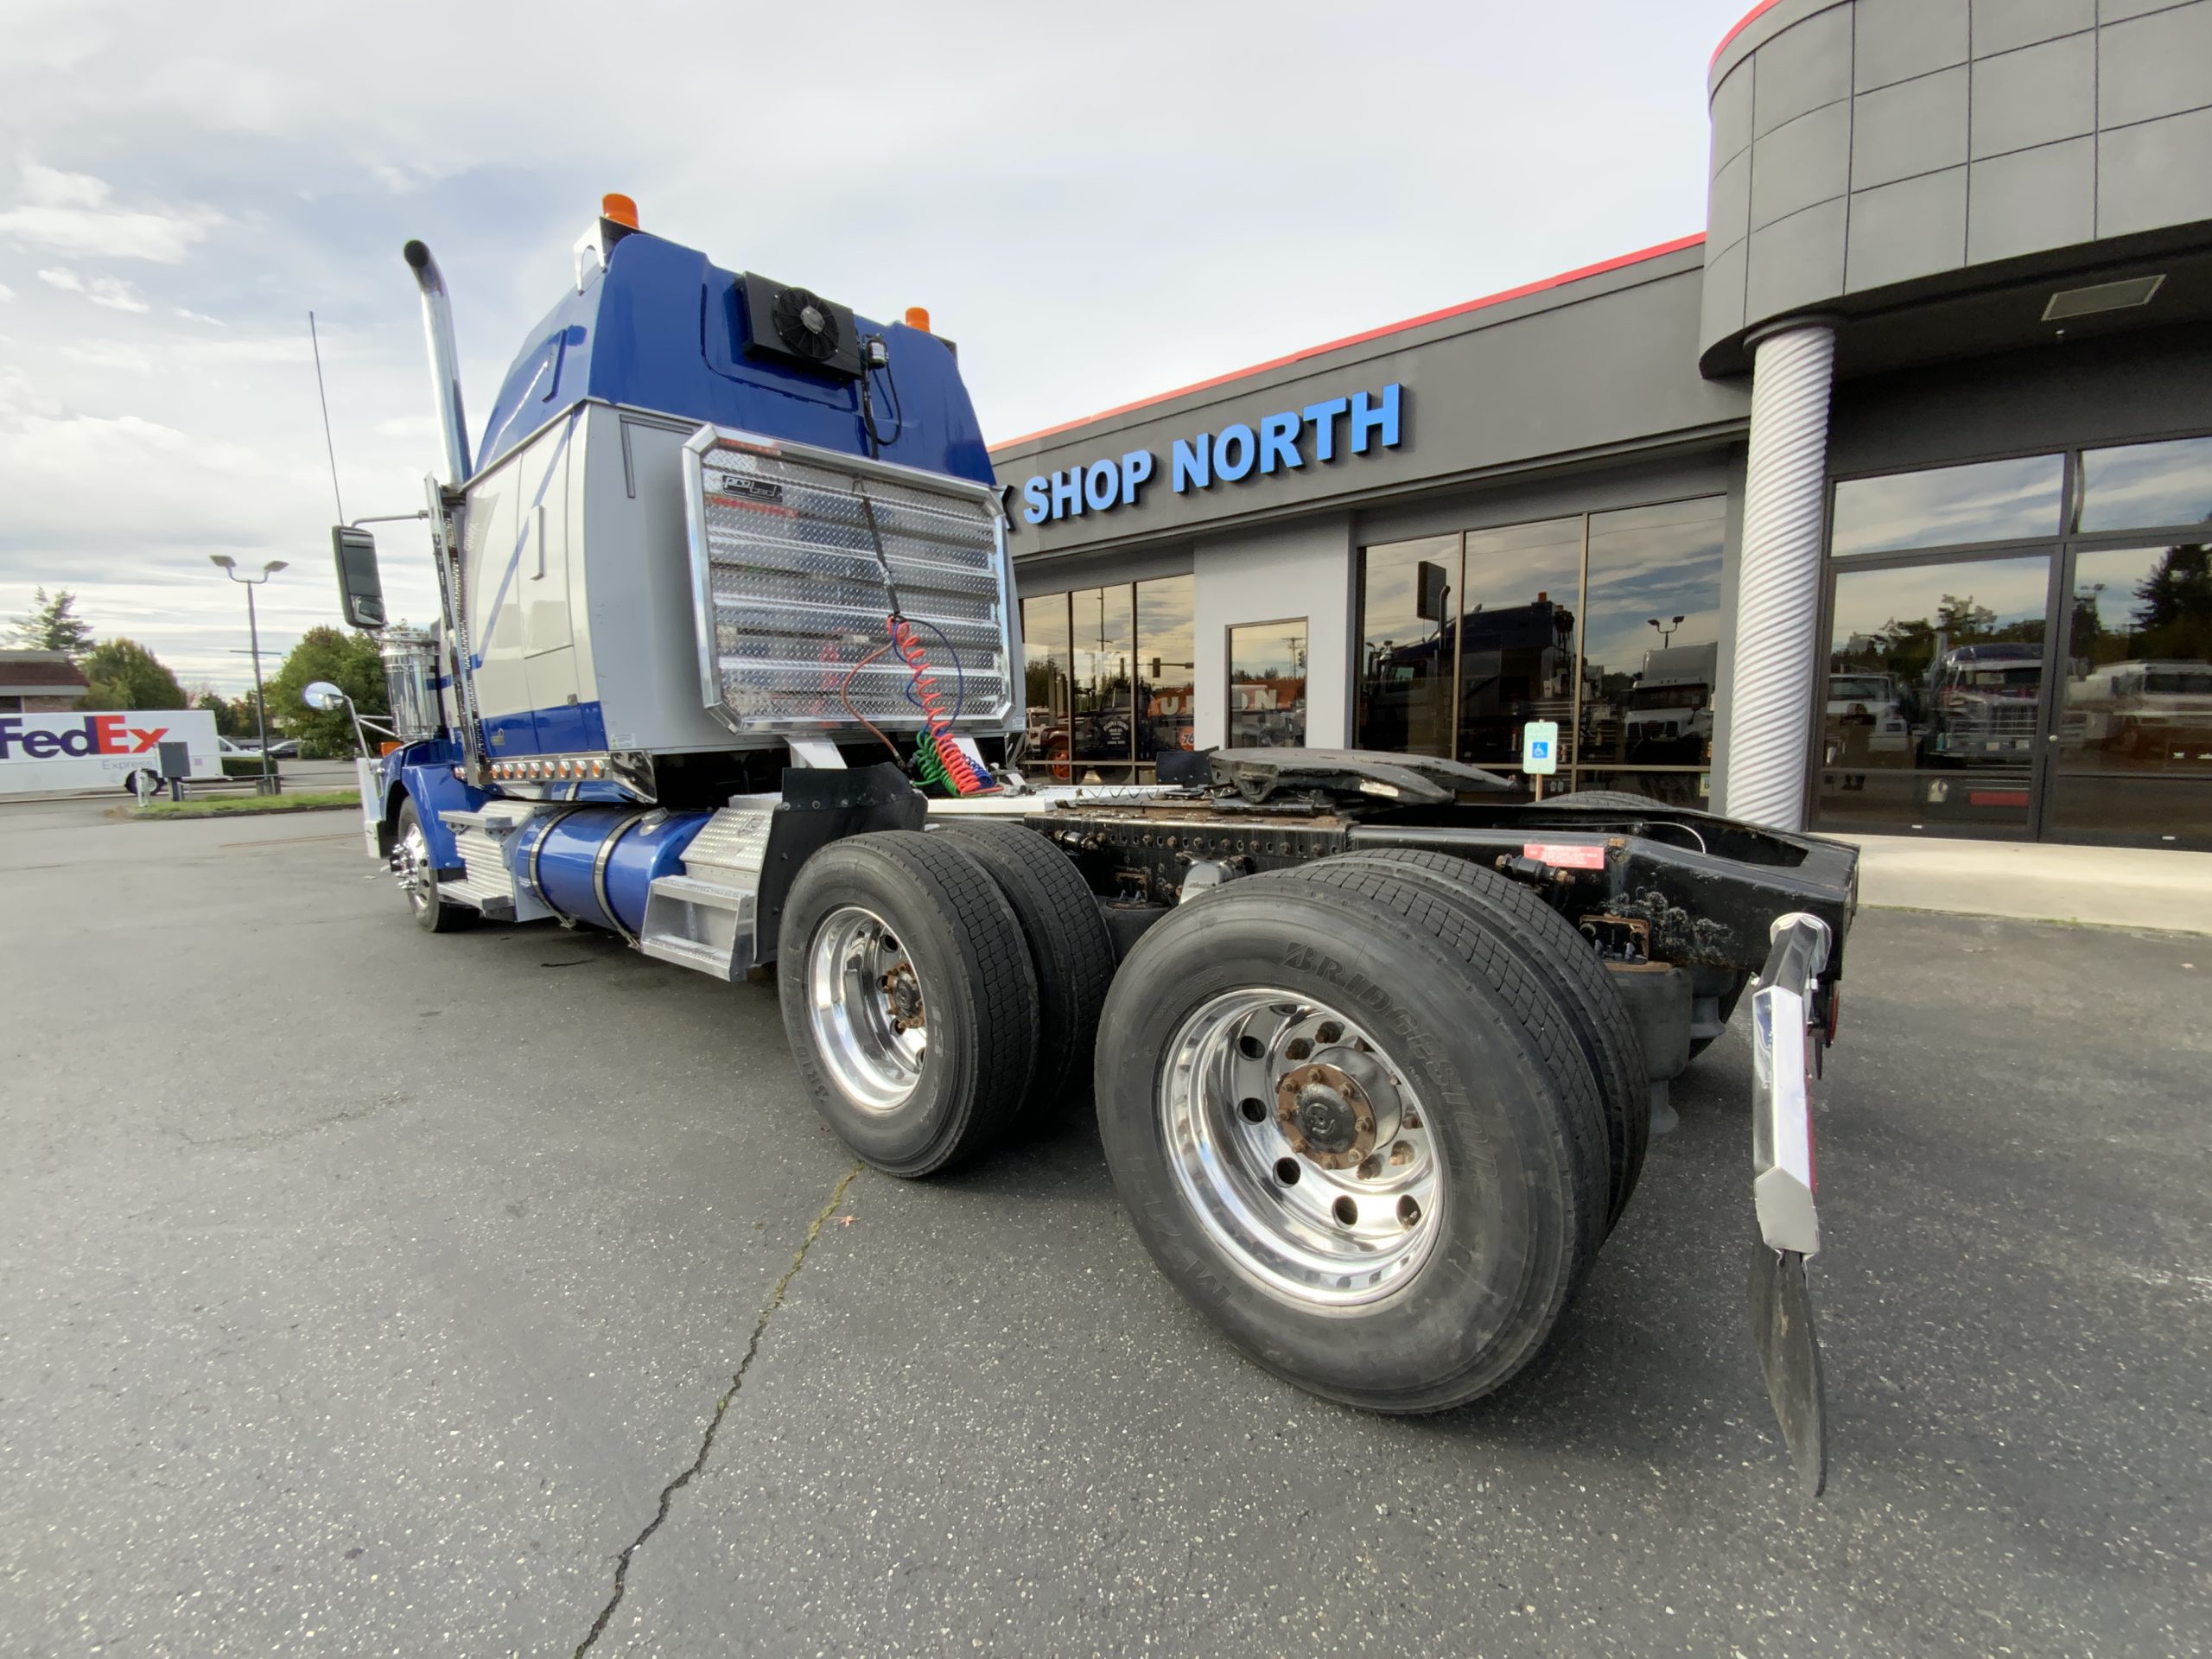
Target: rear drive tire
x=1068 y=948
x=418 y=878
x=1548 y=946
x=908 y=999
x=1450 y=1278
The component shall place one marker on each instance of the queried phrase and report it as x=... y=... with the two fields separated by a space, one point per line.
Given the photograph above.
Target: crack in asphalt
x=293 y=1131
x=721 y=1410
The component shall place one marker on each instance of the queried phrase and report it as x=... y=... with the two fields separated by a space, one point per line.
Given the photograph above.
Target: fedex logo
x=95 y=734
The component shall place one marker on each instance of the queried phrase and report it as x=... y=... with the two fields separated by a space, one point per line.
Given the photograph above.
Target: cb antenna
x=329 y=447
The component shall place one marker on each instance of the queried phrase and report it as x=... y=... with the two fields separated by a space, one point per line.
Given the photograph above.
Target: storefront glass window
x=1987 y=501
x=2135 y=698
x=1406 y=595
x=1516 y=632
x=1165 y=678
x=1651 y=637
x=1045 y=674
x=1267 y=684
x=1103 y=625
x=1933 y=696
x=2141 y=485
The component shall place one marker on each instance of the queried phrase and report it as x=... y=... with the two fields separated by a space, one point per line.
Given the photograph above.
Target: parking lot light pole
x=253 y=633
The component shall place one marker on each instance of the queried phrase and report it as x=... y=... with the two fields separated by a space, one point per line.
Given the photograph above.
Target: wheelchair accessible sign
x=1540 y=747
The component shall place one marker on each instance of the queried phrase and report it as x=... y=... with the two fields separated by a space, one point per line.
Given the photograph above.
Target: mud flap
x=1786 y=1047
x=1790 y=1355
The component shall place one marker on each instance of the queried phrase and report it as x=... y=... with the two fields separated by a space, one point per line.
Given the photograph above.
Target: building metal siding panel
x=1896 y=39
x=1796 y=261
x=2155 y=173
x=1801 y=69
x=1914 y=127
x=2001 y=25
x=1911 y=228
x=2034 y=96
x=2031 y=199
x=1801 y=162
x=2155 y=65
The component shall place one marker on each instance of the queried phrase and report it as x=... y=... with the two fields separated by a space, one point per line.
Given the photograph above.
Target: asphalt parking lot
x=374 y=1293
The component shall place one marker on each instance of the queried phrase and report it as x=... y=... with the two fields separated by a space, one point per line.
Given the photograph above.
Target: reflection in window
x=1407 y=593
x=1166 y=680
x=2138 y=691
x=1651 y=635
x=1932 y=702
x=2146 y=483
x=1103 y=621
x=1045 y=676
x=1267 y=685
x=1988 y=501
x=1516 y=631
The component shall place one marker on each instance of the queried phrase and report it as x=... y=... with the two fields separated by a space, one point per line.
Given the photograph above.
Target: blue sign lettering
x=1370 y=421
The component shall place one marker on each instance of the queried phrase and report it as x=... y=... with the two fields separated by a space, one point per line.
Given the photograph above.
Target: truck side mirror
x=360 y=590
x=322 y=695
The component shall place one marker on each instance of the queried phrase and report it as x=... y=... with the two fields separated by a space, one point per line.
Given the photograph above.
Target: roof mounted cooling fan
x=800 y=327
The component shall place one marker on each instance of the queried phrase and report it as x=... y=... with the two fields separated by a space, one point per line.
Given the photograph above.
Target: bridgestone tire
x=1070 y=950
x=435 y=914
x=1505 y=1097
x=1609 y=797
x=1547 y=944
x=977 y=989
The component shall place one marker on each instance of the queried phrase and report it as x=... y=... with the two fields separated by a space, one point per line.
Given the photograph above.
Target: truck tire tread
x=1068 y=948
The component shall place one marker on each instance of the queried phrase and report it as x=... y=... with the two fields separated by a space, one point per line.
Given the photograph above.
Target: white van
x=42 y=754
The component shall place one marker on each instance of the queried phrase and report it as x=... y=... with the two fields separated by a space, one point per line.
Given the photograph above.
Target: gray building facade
x=1882 y=507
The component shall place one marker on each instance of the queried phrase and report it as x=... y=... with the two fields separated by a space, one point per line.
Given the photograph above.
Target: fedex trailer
x=52 y=754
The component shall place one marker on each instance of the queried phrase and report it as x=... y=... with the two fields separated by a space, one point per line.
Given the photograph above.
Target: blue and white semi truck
x=727 y=665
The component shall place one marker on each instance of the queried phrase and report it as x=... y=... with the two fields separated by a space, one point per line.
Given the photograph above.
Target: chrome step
x=704 y=925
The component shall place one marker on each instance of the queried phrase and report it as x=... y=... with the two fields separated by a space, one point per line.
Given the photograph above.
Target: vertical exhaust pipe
x=445 y=361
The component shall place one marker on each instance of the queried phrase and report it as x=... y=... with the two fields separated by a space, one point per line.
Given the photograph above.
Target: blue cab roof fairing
x=660 y=329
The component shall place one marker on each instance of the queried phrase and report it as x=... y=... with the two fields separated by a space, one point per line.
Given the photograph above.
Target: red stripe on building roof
x=1459 y=310
x=1742 y=23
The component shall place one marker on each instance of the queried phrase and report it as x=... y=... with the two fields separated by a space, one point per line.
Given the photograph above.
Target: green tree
x=234 y=715
x=52 y=625
x=123 y=674
x=349 y=661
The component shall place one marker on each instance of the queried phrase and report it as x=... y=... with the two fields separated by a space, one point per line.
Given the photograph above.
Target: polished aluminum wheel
x=1304 y=1153
x=410 y=863
x=865 y=1004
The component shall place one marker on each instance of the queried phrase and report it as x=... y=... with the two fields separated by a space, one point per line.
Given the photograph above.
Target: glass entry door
x=1936 y=700
x=2129 y=739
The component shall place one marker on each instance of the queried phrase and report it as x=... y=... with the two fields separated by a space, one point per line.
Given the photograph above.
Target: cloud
x=6 y=293
x=67 y=213
x=49 y=186
x=190 y=315
x=106 y=354
x=109 y=291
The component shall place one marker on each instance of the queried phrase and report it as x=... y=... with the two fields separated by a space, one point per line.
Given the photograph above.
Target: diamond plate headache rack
x=788 y=595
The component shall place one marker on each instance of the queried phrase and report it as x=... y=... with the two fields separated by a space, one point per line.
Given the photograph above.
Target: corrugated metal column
x=1778 y=590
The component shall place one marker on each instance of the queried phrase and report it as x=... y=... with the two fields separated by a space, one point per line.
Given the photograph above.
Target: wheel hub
x=1325 y=1117
x=866 y=1009
x=902 y=993
x=1302 y=1154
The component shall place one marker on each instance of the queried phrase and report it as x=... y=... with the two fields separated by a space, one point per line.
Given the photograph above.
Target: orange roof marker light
x=620 y=208
x=917 y=316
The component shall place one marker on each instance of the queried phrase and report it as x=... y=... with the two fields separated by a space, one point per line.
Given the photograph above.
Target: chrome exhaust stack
x=445 y=361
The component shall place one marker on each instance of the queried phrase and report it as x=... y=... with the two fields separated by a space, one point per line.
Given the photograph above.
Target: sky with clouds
x=1098 y=201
